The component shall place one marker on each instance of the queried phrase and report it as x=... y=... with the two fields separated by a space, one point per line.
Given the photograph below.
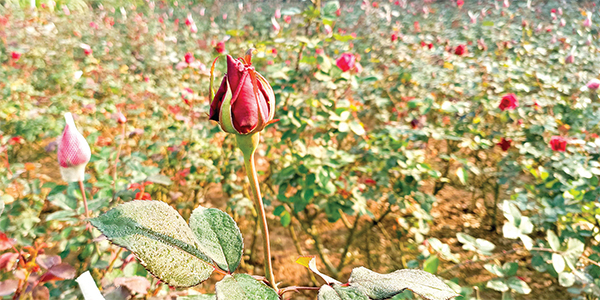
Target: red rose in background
x=189 y=57
x=460 y=3
x=346 y=62
x=220 y=47
x=15 y=55
x=394 y=37
x=460 y=50
x=509 y=101
x=505 y=144
x=558 y=143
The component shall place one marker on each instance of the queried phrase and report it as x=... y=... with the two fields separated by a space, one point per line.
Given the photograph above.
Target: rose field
x=330 y=150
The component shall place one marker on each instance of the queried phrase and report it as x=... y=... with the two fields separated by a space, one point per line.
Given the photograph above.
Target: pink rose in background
x=588 y=21
x=278 y=13
x=287 y=19
x=346 y=62
x=73 y=152
x=593 y=84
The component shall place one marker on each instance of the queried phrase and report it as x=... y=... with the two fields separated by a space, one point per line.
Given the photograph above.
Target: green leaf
x=497 y=284
x=553 y=240
x=1 y=207
x=160 y=179
x=510 y=269
x=431 y=264
x=574 y=251
x=357 y=128
x=519 y=286
x=487 y=23
x=198 y=297
x=160 y=238
x=243 y=287
x=566 y=279
x=219 y=237
x=382 y=286
x=62 y=215
x=494 y=269
x=462 y=175
x=558 y=262
x=338 y=292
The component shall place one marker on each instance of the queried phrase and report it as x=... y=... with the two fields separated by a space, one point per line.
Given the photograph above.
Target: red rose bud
x=15 y=55
x=287 y=19
x=189 y=57
x=394 y=37
x=73 y=152
x=508 y=102
x=245 y=102
x=558 y=143
x=346 y=62
x=460 y=50
x=220 y=47
x=505 y=144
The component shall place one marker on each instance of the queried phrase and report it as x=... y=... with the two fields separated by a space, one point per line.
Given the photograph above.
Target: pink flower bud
x=278 y=13
x=505 y=4
x=328 y=29
x=587 y=22
x=73 y=152
x=287 y=19
x=276 y=26
x=594 y=84
x=121 y=118
x=569 y=59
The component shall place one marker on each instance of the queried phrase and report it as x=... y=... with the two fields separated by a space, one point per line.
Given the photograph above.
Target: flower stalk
x=248 y=145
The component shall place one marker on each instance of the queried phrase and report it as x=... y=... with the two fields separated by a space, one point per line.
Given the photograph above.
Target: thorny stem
x=248 y=146
x=349 y=241
x=112 y=263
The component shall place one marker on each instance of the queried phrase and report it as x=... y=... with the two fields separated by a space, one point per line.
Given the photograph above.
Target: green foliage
x=218 y=237
x=383 y=286
x=242 y=287
x=160 y=238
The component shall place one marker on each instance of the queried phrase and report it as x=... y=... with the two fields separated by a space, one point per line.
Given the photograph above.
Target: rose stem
x=258 y=203
x=117 y=160
x=87 y=213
